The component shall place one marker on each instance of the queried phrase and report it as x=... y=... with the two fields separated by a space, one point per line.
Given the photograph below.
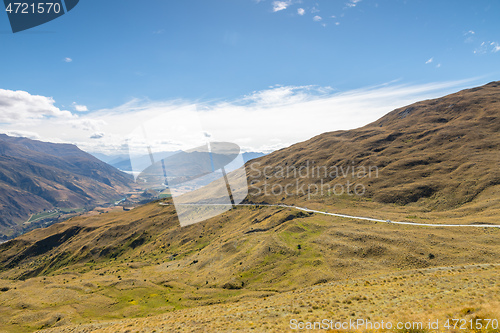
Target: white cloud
x=469 y=36
x=87 y=124
x=486 y=47
x=352 y=3
x=279 y=95
x=438 y=66
x=68 y=60
x=251 y=121
x=22 y=107
x=326 y=111
x=496 y=47
x=281 y=5
x=79 y=108
x=23 y=134
x=98 y=135
x=429 y=61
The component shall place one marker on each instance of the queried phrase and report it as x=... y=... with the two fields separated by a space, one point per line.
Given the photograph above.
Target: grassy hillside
x=260 y=266
x=437 y=154
x=140 y=263
x=414 y=298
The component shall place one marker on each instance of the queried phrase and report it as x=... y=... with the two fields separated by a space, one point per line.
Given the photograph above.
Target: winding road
x=349 y=216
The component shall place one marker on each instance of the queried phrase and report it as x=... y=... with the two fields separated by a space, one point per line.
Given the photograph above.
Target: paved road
x=352 y=217
x=396 y=222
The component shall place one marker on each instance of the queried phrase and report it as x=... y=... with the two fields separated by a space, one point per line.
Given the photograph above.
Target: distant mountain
x=122 y=161
x=109 y=158
x=252 y=155
x=37 y=176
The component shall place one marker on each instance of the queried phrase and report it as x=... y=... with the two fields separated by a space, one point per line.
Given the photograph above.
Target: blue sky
x=108 y=55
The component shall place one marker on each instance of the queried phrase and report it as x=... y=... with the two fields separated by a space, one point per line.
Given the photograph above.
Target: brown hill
x=437 y=153
x=37 y=176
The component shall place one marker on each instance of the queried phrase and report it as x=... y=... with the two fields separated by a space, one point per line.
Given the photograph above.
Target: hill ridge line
x=346 y=216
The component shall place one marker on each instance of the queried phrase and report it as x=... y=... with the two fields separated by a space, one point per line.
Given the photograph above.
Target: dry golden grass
x=437 y=154
x=459 y=292
x=248 y=253
x=256 y=268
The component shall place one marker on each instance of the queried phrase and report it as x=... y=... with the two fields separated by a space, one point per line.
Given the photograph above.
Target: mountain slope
x=438 y=153
x=140 y=263
x=37 y=176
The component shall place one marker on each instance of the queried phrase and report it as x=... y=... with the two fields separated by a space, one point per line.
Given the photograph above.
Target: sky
x=263 y=74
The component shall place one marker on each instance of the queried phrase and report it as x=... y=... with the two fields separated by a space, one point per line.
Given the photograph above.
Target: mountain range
x=122 y=161
x=39 y=176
